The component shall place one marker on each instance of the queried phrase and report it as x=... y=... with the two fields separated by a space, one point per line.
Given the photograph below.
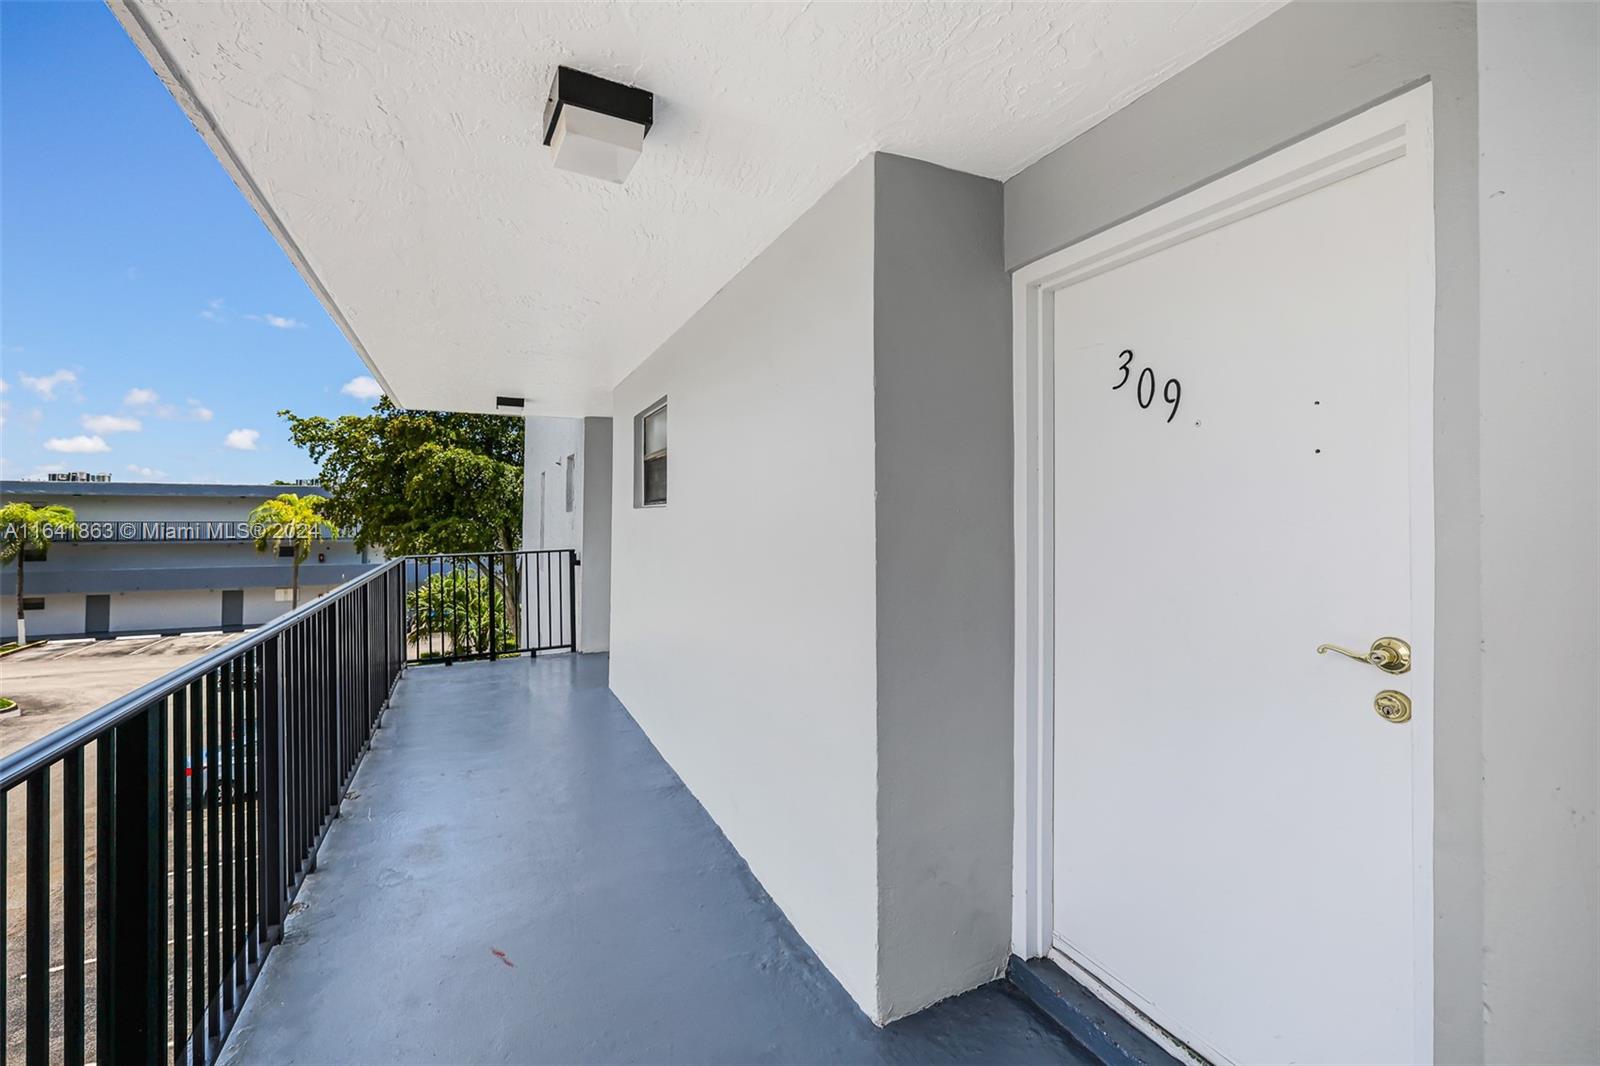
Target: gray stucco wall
x=594 y=616
x=1540 y=233
x=942 y=406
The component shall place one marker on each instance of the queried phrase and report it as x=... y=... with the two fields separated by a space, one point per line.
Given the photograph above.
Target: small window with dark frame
x=33 y=603
x=652 y=435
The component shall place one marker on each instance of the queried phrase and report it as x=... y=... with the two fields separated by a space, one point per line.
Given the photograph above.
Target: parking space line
x=154 y=644
x=81 y=646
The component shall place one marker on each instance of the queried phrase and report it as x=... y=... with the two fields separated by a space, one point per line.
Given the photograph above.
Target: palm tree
x=465 y=607
x=28 y=528
x=295 y=519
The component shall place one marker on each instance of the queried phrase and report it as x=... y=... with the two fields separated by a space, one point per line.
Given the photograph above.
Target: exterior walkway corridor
x=517 y=876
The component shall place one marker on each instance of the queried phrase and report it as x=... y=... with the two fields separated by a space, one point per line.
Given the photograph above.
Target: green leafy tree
x=463 y=609
x=419 y=482
x=295 y=520
x=27 y=528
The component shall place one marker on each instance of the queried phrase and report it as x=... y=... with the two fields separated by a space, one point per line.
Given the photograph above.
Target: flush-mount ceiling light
x=594 y=126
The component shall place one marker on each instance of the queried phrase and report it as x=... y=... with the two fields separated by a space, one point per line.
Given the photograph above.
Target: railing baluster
x=72 y=919
x=236 y=795
x=5 y=911
x=107 y=1002
x=572 y=600
x=252 y=769
x=212 y=800
x=210 y=785
x=273 y=788
x=494 y=644
x=180 y=877
x=194 y=799
x=336 y=710
x=235 y=816
x=131 y=891
x=36 y=935
x=223 y=758
x=155 y=877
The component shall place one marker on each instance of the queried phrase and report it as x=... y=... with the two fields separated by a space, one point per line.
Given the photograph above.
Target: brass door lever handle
x=1389 y=654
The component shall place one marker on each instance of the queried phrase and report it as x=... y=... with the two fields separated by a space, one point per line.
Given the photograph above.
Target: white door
x=1235 y=845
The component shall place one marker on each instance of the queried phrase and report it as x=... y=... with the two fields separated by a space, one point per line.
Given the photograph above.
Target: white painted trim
x=1401 y=127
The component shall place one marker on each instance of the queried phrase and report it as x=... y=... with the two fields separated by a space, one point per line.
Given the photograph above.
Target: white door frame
x=1401 y=127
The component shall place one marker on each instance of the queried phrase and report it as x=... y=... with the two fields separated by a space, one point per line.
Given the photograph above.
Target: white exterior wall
x=552 y=453
x=742 y=633
x=183 y=610
x=1538 y=119
x=61 y=614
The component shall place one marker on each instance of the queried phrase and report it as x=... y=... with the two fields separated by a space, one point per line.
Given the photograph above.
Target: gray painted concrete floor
x=519 y=877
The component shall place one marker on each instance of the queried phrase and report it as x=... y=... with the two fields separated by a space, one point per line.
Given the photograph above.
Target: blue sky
x=150 y=327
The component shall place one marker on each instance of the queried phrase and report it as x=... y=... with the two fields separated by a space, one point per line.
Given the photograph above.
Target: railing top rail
x=17 y=766
x=482 y=554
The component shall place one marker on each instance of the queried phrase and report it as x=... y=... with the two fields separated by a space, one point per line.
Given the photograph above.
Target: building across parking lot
x=161 y=558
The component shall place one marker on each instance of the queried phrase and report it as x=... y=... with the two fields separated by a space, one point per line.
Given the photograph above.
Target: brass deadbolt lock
x=1392 y=706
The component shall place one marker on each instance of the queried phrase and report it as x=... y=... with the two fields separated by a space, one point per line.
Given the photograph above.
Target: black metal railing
x=165 y=834
x=485 y=605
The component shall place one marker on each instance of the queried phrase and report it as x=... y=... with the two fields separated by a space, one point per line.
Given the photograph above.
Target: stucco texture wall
x=1541 y=693
x=743 y=629
x=550 y=446
x=943 y=459
x=816 y=628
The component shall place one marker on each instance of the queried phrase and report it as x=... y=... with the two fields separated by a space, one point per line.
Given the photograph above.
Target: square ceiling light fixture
x=594 y=126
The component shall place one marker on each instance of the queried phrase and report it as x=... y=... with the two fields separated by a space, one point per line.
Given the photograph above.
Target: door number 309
x=1145 y=390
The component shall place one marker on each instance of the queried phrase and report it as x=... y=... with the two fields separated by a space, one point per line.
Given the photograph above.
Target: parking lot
x=61 y=681
x=55 y=684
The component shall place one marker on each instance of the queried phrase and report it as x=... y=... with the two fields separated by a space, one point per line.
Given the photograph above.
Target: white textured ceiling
x=395 y=150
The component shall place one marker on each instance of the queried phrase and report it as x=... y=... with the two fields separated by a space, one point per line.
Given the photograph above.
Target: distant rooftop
x=46 y=489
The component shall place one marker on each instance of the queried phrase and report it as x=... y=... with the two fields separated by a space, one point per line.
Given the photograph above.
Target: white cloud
x=213 y=311
x=277 y=321
x=111 y=424
x=193 y=413
x=362 y=388
x=3 y=385
x=82 y=444
x=242 y=440
x=47 y=385
x=140 y=398
x=145 y=471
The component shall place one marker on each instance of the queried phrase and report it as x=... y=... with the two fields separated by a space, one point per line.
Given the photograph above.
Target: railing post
x=494 y=636
x=131 y=895
x=572 y=599
x=273 y=847
x=397 y=622
x=335 y=694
